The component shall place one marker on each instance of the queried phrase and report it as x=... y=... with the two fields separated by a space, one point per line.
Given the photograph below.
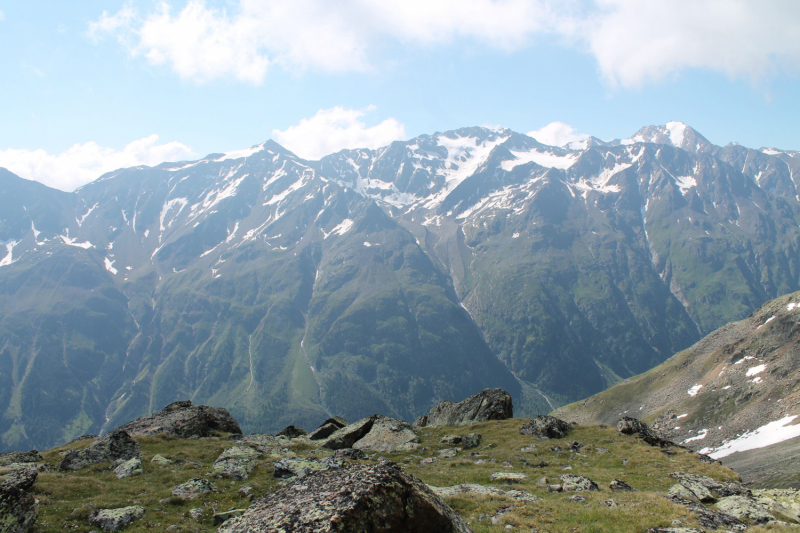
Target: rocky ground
x=489 y=476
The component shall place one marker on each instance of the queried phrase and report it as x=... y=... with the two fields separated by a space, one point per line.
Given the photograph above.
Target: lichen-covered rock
x=160 y=460
x=221 y=518
x=327 y=428
x=706 y=489
x=350 y=434
x=630 y=426
x=678 y=491
x=9 y=458
x=291 y=432
x=571 y=482
x=116 y=445
x=356 y=498
x=288 y=468
x=18 y=509
x=508 y=477
x=712 y=519
x=784 y=504
x=388 y=435
x=469 y=488
x=471 y=440
x=131 y=467
x=546 y=426
x=618 y=485
x=744 y=507
x=489 y=404
x=421 y=421
x=451 y=440
x=349 y=453
x=193 y=488
x=113 y=519
x=236 y=462
x=183 y=419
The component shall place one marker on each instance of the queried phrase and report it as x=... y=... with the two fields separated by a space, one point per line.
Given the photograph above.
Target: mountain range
x=382 y=280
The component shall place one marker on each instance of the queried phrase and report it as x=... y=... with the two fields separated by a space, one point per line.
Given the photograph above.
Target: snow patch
x=792 y=306
x=685 y=183
x=766 y=435
x=694 y=390
x=743 y=359
x=755 y=370
x=682 y=416
x=8 y=259
x=110 y=266
x=85 y=245
x=703 y=433
x=239 y=154
x=677 y=132
x=770 y=319
x=340 y=229
x=545 y=159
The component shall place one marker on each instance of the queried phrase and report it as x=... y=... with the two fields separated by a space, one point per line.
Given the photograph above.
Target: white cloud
x=557 y=134
x=634 y=42
x=86 y=162
x=337 y=128
x=2 y=16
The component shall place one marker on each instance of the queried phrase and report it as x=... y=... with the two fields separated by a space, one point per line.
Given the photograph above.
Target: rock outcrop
x=743 y=507
x=113 y=519
x=489 y=404
x=183 y=419
x=356 y=498
x=291 y=432
x=10 y=458
x=193 y=488
x=571 y=482
x=347 y=436
x=116 y=445
x=131 y=467
x=388 y=435
x=546 y=426
x=327 y=428
x=289 y=468
x=630 y=426
x=236 y=462
x=18 y=509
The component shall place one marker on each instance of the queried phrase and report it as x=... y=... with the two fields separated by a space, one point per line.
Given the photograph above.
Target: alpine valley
x=386 y=280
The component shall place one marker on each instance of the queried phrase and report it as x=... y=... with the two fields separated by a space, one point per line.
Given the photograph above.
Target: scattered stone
x=744 y=507
x=161 y=460
x=556 y=449
x=236 y=462
x=541 y=464
x=575 y=446
x=193 y=488
x=600 y=449
x=10 y=458
x=18 y=509
x=572 y=482
x=469 y=488
x=196 y=513
x=221 y=518
x=625 y=462
x=508 y=477
x=291 y=432
x=667 y=451
x=116 y=445
x=555 y=488
x=542 y=481
x=288 y=468
x=489 y=404
x=618 y=485
x=498 y=517
x=630 y=426
x=388 y=435
x=708 y=460
x=447 y=453
x=526 y=449
x=577 y=499
x=350 y=453
x=113 y=519
x=451 y=439
x=129 y=468
x=247 y=492
x=356 y=498
x=183 y=419
x=784 y=504
x=546 y=426
x=611 y=503
x=471 y=440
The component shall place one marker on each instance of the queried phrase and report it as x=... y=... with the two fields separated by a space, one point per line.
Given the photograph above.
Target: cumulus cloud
x=557 y=134
x=337 y=128
x=634 y=42
x=83 y=163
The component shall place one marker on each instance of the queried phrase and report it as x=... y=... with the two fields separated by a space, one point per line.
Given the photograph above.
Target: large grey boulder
x=571 y=482
x=706 y=489
x=113 y=519
x=546 y=426
x=131 y=467
x=347 y=436
x=388 y=435
x=744 y=507
x=355 y=498
x=489 y=404
x=183 y=419
x=116 y=445
x=18 y=509
x=327 y=428
x=236 y=462
x=630 y=426
x=193 y=488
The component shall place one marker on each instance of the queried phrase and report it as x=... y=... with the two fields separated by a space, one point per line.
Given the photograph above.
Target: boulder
x=508 y=477
x=619 y=486
x=182 y=419
x=784 y=504
x=451 y=440
x=744 y=507
x=221 y=518
x=9 y=458
x=712 y=519
x=131 y=467
x=490 y=404
x=193 y=488
x=706 y=489
x=421 y=421
x=289 y=468
x=388 y=435
x=469 y=488
x=116 y=445
x=18 y=509
x=630 y=426
x=356 y=498
x=571 y=482
x=327 y=428
x=471 y=440
x=350 y=434
x=236 y=462
x=159 y=459
x=113 y=519
x=546 y=426
x=291 y=432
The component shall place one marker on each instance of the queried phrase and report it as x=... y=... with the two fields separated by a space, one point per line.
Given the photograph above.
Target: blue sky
x=90 y=86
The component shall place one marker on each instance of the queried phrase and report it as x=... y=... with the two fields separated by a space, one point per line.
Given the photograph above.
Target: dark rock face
x=116 y=445
x=291 y=432
x=490 y=404
x=183 y=419
x=355 y=498
x=631 y=426
x=350 y=434
x=19 y=457
x=324 y=431
x=18 y=509
x=388 y=435
x=546 y=426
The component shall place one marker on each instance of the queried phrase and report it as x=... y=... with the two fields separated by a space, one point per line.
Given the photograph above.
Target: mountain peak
x=673 y=133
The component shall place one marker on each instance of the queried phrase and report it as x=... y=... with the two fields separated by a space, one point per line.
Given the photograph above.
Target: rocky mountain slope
x=380 y=280
x=734 y=395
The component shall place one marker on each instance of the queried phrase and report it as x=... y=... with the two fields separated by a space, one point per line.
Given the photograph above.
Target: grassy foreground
x=606 y=455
